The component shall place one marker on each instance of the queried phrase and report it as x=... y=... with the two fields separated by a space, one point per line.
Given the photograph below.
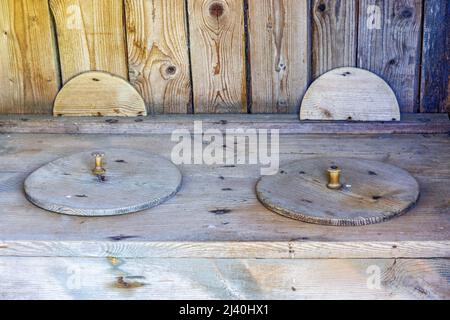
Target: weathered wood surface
x=29 y=78
x=121 y=246
x=435 y=85
x=372 y=192
x=217 y=43
x=134 y=181
x=279 y=49
x=350 y=94
x=91 y=36
x=116 y=278
x=218 y=203
x=158 y=54
x=389 y=45
x=287 y=124
x=98 y=94
x=334 y=33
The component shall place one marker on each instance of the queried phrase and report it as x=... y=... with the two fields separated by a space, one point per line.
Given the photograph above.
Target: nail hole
x=171 y=70
x=322 y=7
x=407 y=13
x=95 y=79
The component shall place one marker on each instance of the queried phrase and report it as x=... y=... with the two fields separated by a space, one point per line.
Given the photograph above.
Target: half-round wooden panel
x=350 y=94
x=98 y=94
x=372 y=192
x=134 y=181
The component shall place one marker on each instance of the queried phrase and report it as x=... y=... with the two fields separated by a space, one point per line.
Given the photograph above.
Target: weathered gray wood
x=435 y=89
x=134 y=181
x=389 y=45
x=334 y=35
x=350 y=94
x=287 y=124
x=218 y=203
x=372 y=192
x=296 y=249
x=116 y=278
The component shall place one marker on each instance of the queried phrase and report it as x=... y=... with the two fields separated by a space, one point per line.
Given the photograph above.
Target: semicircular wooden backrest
x=350 y=94
x=97 y=93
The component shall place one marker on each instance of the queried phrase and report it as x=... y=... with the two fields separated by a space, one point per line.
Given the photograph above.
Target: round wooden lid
x=134 y=181
x=371 y=192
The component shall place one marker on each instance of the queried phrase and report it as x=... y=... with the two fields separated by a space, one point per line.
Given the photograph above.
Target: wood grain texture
x=126 y=247
x=435 y=85
x=377 y=192
x=116 y=278
x=389 y=45
x=158 y=54
x=29 y=78
x=218 y=56
x=130 y=184
x=279 y=51
x=413 y=123
x=91 y=36
x=98 y=94
x=334 y=34
x=350 y=94
x=221 y=214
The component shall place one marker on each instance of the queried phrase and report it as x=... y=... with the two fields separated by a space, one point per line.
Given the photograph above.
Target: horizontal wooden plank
x=218 y=204
x=297 y=249
x=115 y=278
x=161 y=124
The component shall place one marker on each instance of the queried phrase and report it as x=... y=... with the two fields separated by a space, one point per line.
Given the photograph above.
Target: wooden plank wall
x=222 y=56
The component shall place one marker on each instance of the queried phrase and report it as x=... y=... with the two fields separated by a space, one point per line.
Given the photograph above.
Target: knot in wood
x=216 y=9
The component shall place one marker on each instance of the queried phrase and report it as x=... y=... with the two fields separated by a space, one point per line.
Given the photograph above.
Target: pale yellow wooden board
x=29 y=78
x=217 y=43
x=91 y=36
x=279 y=49
x=350 y=94
x=98 y=94
x=158 y=54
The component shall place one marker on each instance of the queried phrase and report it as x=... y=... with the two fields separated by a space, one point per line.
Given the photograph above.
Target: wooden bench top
x=216 y=213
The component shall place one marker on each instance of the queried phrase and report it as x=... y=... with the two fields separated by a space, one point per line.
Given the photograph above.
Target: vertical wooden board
x=389 y=45
x=435 y=94
x=217 y=43
x=279 y=50
x=91 y=36
x=158 y=54
x=29 y=77
x=334 y=35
